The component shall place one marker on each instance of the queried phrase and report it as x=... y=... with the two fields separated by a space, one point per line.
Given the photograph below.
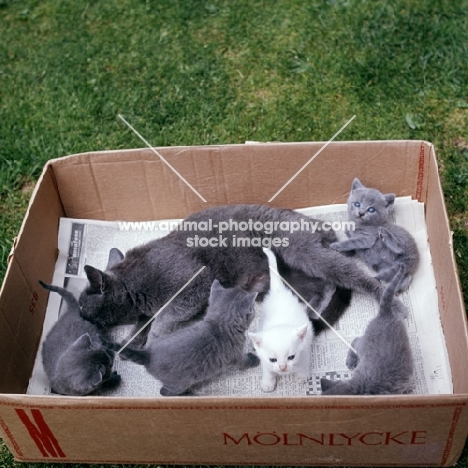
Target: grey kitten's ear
x=95 y=278
x=115 y=256
x=96 y=378
x=250 y=298
x=389 y=198
x=216 y=286
x=326 y=384
x=356 y=184
x=83 y=342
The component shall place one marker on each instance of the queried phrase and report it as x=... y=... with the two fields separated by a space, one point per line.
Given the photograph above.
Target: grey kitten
x=141 y=283
x=204 y=349
x=384 y=362
x=375 y=240
x=74 y=354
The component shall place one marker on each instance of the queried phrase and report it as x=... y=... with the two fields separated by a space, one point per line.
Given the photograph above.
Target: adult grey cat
x=204 y=349
x=384 y=362
x=75 y=356
x=149 y=275
x=383 y=245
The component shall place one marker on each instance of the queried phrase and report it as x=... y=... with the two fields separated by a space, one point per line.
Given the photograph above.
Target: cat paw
x=268 y=385
x=113 y=381
x=335 y=246
x=167 y=392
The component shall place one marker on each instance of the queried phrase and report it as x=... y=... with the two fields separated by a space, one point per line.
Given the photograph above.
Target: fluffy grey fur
x=74 y=354
x=381 y=244
x=384 y=362
x=149 y=275
x=204 y=349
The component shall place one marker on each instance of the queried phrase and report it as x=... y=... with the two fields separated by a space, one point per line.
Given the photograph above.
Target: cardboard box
x=136 y=185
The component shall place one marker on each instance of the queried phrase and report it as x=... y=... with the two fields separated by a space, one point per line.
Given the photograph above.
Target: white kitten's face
x=280 y=350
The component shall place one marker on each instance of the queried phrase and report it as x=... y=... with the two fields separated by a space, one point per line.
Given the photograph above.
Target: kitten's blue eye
x=273 y=359
x=371 y=209
x=357 y=204
x=290 y=358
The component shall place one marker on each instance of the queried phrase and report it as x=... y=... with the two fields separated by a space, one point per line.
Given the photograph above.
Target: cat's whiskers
x=313 y=310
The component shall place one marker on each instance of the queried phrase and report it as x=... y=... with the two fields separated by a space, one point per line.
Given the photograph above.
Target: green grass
x=191 y=72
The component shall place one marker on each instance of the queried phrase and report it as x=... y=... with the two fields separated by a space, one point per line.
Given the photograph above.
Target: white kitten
x=283 y=345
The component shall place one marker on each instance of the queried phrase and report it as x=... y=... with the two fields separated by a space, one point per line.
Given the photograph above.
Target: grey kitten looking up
x=203 y=349
x=74 y=354
x=382 y=245
x=384 y=362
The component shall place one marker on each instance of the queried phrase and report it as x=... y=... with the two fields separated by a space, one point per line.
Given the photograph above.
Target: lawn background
x=195 y=72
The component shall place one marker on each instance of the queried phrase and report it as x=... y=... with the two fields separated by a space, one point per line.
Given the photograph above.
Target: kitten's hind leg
x=139 y=356
x=390 y=241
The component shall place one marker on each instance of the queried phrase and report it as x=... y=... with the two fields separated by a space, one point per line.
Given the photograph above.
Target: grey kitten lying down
x=375 y=240
x=75 y=355
x=204 y=349
x=137 y=286
x=384 y=362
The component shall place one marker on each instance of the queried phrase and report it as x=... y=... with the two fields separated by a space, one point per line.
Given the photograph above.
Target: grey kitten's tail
x=67 y=295
x=388 y=297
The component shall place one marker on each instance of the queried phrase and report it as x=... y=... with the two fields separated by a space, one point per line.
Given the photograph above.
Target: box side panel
x=451 y=306
x=137 y=185
x=22 y=300
x=318 y=431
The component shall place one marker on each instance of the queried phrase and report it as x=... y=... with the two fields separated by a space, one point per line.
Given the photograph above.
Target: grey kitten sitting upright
x=384 y=362
x=74 y=354
x=204 y=349
x=375 y=240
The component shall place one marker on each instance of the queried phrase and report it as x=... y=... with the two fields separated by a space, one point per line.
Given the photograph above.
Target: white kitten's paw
x=268 y=385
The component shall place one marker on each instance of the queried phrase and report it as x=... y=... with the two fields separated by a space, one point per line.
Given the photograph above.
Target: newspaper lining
x=84 y=242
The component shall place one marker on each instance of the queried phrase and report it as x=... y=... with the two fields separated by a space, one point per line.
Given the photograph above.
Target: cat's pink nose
x=282 y=367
